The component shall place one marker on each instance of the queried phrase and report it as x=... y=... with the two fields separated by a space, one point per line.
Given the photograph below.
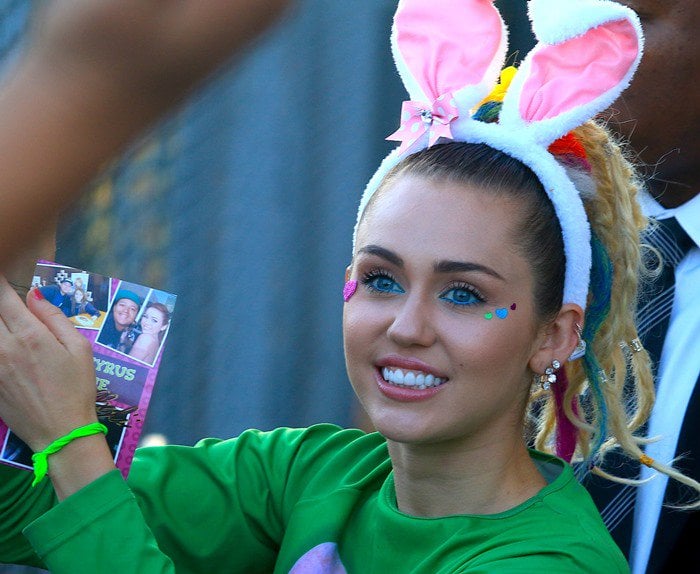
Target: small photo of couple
x=83 y=297
x=137 y=322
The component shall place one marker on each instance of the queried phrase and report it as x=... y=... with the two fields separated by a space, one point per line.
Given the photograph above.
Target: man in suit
x=660 y=114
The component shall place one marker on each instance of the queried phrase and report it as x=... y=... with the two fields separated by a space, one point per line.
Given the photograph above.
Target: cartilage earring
x=549 y=377
x=580 y=349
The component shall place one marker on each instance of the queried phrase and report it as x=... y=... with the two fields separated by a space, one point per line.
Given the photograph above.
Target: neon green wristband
x=41 y=459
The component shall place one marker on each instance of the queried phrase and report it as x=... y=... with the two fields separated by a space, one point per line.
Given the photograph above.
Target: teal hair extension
x=488 y=112
x=598 y=309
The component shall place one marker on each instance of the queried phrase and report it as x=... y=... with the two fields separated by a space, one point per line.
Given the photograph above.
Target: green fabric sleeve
x=104 y=527
x=219 y=506
x=20 y=504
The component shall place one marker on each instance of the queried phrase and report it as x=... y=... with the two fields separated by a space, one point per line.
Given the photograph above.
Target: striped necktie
x=616 y=501
x=654 y=311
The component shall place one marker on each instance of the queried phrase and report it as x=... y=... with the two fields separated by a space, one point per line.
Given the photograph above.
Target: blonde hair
x=627 y=387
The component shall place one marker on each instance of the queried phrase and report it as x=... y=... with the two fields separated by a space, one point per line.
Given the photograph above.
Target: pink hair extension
x=566 y=430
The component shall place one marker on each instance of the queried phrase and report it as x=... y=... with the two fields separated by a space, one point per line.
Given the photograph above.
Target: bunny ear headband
x=449 y=54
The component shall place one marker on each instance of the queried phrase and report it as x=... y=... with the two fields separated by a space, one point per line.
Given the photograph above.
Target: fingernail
x=37 y=294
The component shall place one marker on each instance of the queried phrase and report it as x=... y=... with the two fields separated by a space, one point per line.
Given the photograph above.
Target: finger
x=58 y=324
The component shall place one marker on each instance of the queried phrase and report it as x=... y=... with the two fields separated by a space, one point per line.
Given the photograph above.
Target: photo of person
x=59 y=294
x=81 y=296
x=82 y=311
x=118 y=329
x=153 y=326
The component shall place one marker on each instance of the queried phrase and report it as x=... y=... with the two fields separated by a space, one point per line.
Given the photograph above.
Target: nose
x=413 y=322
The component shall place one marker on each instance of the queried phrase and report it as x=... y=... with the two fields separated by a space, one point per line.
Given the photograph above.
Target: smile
x=411 y=379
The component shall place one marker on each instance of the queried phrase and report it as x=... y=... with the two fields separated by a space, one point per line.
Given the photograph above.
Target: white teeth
x=412 y=379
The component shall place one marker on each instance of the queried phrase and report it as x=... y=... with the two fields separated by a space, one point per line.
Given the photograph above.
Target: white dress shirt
x=679 y=367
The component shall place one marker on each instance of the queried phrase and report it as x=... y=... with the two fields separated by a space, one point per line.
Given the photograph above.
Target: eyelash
x=461 y=286
x=372 y=275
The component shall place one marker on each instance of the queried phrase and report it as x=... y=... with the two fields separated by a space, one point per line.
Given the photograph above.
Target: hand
x=92 y=76
x=47 y=375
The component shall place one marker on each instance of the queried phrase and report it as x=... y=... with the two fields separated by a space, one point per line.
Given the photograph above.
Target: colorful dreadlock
x=596 y=313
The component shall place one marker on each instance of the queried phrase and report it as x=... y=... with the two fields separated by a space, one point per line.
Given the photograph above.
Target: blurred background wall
x=242 y=203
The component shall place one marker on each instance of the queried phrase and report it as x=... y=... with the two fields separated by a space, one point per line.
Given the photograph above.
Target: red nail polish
x=37 y=294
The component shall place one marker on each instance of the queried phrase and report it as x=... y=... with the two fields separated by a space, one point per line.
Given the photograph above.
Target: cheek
x=488 y=343
x=363 y=324
x=354 y=324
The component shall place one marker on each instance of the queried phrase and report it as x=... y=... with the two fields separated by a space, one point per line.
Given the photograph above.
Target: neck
x=485 y=480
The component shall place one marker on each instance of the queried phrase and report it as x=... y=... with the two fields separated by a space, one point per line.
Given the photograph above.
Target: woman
x=480 y=286
x=154 y=323
x=79 y=304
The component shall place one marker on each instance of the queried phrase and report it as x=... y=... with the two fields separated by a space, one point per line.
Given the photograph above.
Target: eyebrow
x=439 y=266
x=463 y=266
x=382 y=252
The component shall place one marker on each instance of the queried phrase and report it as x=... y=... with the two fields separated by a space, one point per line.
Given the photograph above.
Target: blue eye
x=461 y=296
x=381 y=282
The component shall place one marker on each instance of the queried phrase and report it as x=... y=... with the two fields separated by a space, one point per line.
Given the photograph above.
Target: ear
x=585 y=57
x=558 y=338
x=443 y=46
x=449 y=55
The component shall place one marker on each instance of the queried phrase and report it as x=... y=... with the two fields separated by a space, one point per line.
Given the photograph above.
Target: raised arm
x=94 y=75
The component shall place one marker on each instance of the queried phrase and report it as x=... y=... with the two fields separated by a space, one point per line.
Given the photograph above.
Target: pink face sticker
x=349 y=289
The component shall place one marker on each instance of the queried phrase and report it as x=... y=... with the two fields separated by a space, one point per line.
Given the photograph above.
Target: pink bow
x=418 y=118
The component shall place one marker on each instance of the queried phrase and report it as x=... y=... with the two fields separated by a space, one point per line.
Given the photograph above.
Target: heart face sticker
x=501 y=312
x=349 y=289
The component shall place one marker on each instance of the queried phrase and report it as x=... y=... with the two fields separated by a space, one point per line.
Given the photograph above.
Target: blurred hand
x=93 y=75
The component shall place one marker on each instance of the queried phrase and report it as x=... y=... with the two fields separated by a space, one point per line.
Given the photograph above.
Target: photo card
x=127 y=324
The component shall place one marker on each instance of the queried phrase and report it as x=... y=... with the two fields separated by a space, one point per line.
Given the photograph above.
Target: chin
x=407 y=431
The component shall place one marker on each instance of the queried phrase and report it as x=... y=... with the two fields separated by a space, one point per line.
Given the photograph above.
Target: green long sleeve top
x=317 y=500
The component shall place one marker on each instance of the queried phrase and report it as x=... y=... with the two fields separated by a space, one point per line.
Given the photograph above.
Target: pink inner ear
x=578 y=71
x=446 y=44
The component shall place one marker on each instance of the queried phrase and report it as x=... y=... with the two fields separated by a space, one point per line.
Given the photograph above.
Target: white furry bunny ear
x=586 y=55
x=449 y=54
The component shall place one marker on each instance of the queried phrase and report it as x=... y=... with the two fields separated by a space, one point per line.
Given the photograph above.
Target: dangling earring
x=549 y=377
x=580 y=349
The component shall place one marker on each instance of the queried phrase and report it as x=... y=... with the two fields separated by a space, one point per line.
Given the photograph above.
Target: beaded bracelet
x=40 y=459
